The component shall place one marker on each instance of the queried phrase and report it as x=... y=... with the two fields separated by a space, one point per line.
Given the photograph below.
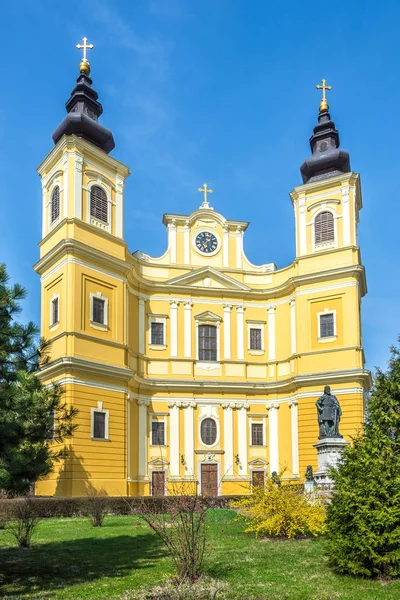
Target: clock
x=206 y=242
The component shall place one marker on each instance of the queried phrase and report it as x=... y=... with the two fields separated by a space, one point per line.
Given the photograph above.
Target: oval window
x=208 y=432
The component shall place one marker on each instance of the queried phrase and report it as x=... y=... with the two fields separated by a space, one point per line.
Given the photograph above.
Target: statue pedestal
x=330 y=451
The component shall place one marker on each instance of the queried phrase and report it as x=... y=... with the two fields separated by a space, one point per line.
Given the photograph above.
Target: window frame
x=157 y=319
x=155 y=419
x=327 y=338
x=316 y=246
x=256 y=325
x=105 y=226
x=213 y=351
x=54 y=324
x=217 y=432
x=102 y=410
x=257 y=423
x=55 y=221
x=99 y=296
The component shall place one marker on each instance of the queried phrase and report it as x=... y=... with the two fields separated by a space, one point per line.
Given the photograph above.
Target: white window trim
x=106 y=423
x=155 y=419
x=101 y=326
x=330 y=338
x=253 y=421
x=325 y=245
x=158 y=319
x=216 y=324
x=52 y=224
x=255 y=325
x=99 y=182
x=54 y=325
x=216 y=420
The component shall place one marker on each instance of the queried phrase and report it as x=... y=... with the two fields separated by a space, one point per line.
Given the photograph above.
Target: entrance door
x=257 y=478
x=158 y=483
x=209 y=480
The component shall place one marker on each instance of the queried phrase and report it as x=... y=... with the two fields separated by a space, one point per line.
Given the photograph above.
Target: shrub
x=363 y=520
x=22 y=521
x=203 y=589
x=95 y=507
x=281 y=511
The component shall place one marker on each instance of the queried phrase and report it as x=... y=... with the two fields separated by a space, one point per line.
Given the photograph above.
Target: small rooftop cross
x=84 y=47
x=323 y=105
x=205 y=191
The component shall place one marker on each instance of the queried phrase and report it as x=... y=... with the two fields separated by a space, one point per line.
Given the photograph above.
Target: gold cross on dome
x=206 y=191
x=84 y=47
x=323 y=105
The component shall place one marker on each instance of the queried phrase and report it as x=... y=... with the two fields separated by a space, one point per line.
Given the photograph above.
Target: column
x=227 y=331
x=242 y=437
x=142 y=436
x=174 y=438
x=174 y=328
x=172 y=240
x=45 y=210
x=186 y=243
x=128 y=437
x=239 y=247
x=302 y=227
x=273 y=408
x=271 y=333
x=141 y=325
x=346 y=216
x=64 y=210
x=293 y=326
x=188 y=329
x=240 y=332
x=119 y=209
x=78 y=186
x=225 y=247
x=228 y=437
x=293 y=404
x=189 y=437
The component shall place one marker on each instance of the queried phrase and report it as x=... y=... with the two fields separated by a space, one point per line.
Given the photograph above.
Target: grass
x=72 y=560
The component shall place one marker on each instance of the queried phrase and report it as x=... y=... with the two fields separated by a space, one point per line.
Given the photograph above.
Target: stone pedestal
x=329 y=451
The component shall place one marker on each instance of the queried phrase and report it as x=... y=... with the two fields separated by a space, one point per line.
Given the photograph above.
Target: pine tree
x=34 y=419
x=363 y=523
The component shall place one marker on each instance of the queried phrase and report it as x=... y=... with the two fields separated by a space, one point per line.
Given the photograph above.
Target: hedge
x=54 y=506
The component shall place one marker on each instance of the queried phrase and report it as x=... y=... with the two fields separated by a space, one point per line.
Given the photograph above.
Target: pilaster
x=273 y=408
x=293 y=405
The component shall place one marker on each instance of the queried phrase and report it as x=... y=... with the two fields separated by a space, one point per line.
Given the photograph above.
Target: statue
x=329 y=413
x=309 y=473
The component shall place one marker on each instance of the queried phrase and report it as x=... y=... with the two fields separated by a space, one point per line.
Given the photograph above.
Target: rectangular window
x=54 y=311
x=257 y=434
x=157 y=433
x=99 y=425
x=207 y=342
x=255 y=339
x=326 y=325
x=98 y=310
x=157 y=334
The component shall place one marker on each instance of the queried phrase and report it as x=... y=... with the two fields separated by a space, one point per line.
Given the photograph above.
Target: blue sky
x=221 y=91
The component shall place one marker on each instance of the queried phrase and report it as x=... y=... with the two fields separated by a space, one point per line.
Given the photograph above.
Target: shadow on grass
x=58 y=564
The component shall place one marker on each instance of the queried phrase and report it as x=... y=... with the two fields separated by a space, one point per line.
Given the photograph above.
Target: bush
x=282 y=511
x=203 y=589
x=22 y=520
x=95 y=507
x=363 y=521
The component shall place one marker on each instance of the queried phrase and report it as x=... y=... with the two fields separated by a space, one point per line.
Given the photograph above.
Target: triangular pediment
x=259 y=463
x=207 y=315
x=159 y=462
x=207 y=277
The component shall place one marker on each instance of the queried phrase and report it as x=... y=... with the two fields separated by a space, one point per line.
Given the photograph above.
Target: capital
x=293 y=402
x=272 y=405
x=143 y=401
x=228 y=405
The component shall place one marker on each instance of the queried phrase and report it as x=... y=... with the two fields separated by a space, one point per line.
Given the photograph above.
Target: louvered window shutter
x=98 y=204
x=324 y=228
x=55 y=204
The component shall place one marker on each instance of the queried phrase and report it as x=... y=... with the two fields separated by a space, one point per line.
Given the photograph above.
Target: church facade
x=195 y=367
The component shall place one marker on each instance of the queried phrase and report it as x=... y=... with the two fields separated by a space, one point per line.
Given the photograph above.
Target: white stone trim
x=271 y=333
x=142 y=439
x=255 y=421
x=272 y=408
x=227 y=331
x=239 y=248
x=54 y=324
x=302 y=226
x=174 y=328
x=327 y=311
x=174 y=439
x=225 y=249
x=119 y=207
x=186 y=243
x=242 y=438
x=293 y=335
x=100 y=409
x=157 y=319
x=189 y=437
x=93 y=324
x=99 y=182
x=215 y=417
x=187 y=322
x=158 y=465
x=293 y=404
x=256 y=325
x=346 y=215
x=141 y=318
x=78 y=191
x=172 y=240
x=329 y=244
x=64 y=205
x=240 y=331
x=228 y=438
x=157 y=419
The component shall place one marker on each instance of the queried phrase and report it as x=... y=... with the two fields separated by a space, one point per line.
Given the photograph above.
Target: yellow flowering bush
x=282 y=511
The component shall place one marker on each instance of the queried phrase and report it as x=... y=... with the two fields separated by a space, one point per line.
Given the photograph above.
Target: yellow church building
x=196 y=366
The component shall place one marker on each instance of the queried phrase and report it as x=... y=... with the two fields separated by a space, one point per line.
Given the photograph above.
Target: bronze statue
x=329 y=413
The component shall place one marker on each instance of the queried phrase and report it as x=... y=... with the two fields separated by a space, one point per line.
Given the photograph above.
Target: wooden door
x=209 y=480
x=257 y=478
x=158 y=483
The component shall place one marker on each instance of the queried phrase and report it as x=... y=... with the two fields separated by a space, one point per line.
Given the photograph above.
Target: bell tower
x=83 y=266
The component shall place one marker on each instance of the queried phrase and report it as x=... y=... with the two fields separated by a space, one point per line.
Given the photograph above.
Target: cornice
x=324 y=184
x=68 y=363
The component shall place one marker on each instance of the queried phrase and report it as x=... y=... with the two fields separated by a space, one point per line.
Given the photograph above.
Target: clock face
x=206 y=242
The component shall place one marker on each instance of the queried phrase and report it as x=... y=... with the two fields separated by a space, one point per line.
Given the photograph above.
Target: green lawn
x=70 y=560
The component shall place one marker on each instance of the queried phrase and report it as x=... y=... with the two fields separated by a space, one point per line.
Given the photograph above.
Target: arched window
x=55 y=204
x=207 y=342
x=208 y=432
x=324 y=228
x=98 y=204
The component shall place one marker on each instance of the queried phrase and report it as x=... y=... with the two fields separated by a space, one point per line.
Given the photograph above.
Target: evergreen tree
x=363 y=523
x=34 y=419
